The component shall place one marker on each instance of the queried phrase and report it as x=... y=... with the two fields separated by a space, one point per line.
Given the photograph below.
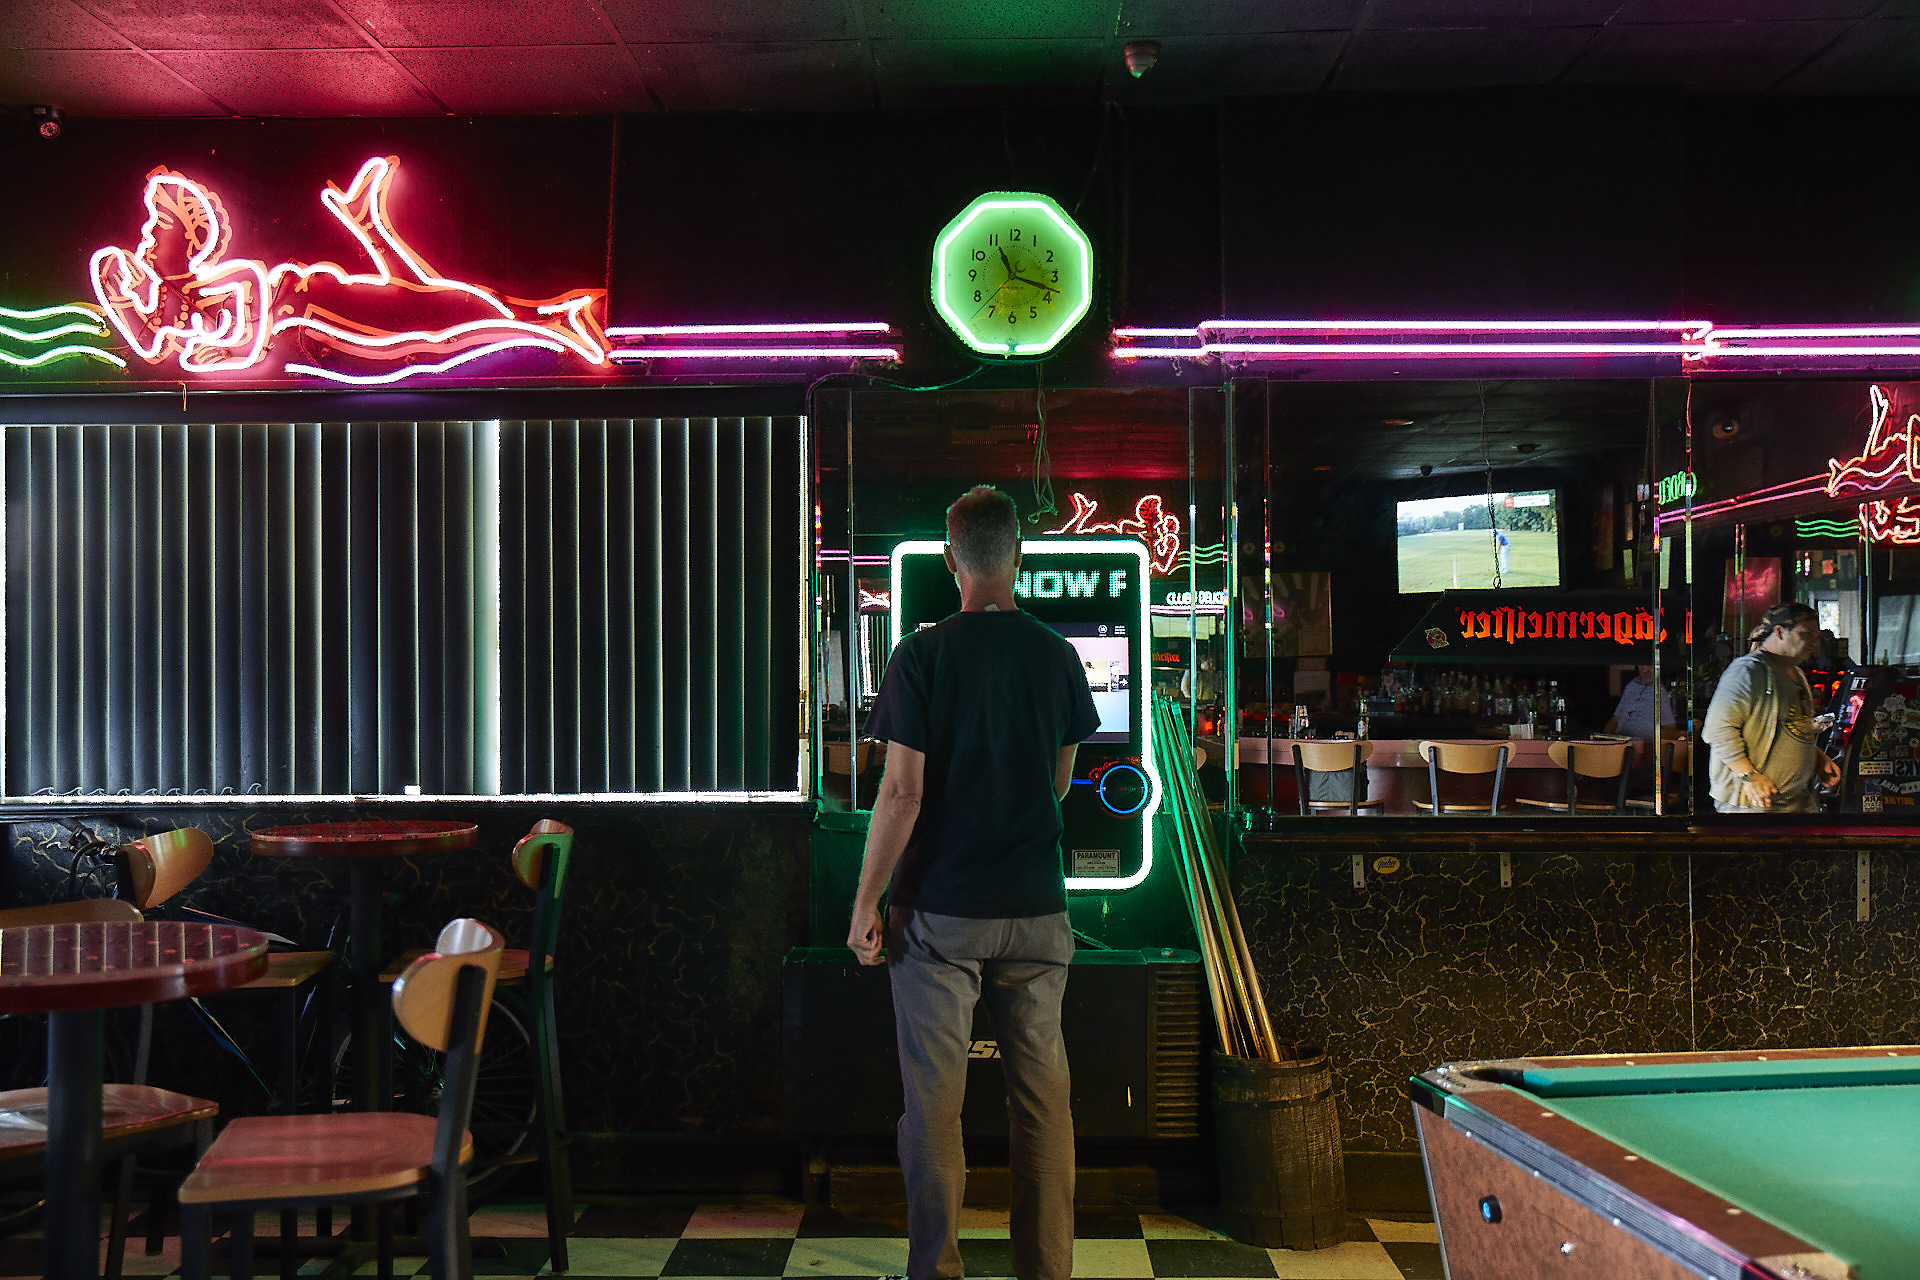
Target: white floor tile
x=1111 y=1259
x=1354 y=1260
x=740 y=1224
x=633 y=1256
x=1167 y=1226
x=1425 y=1232
x=847 y=1256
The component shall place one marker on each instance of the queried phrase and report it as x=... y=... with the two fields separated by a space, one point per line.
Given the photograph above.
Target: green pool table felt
x=1802 y=1144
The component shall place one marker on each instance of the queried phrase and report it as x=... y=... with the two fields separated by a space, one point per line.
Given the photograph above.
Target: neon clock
x=1012 y=274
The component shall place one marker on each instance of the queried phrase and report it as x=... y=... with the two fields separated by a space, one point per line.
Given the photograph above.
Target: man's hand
x=867 y=935
x=1829 y=771
x=1758 y=791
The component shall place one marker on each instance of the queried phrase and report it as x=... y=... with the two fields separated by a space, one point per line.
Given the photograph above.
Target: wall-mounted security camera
x=48 y=120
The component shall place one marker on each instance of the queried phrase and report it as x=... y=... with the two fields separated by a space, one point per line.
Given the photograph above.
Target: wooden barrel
x=1283 y=1183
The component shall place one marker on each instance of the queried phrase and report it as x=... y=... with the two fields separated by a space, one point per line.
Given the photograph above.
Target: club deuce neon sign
x=1621 y=626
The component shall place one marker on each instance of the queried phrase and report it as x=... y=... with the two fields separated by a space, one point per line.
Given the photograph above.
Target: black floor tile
x=615 y=1221
x=751 y=1257
x=863 y=1222
x=1105 y=1224
x=1358 y=1228
x=510 y=1258
x=1173 y=1258
x=1417 y=1259
x=987 y=1257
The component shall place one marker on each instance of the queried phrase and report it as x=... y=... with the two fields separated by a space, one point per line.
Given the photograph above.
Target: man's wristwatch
x=1749 y=776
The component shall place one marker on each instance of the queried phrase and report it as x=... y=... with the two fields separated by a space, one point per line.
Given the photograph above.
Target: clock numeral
x=1049 y=259
x=975 y=275
x=991 y=308
x=1033 y=313
x=992 y=239
x=976 y=295
x=1056 y=276
x=979 y=255
x=1034 y=240
x=1013 y=235
x=1012 y=318
x=1048 y=299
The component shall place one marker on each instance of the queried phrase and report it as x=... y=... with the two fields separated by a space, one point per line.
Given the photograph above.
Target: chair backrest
x=1465 y=757
x=1330 y=757
x=423 y=994
x=540 y=860
x=442 y=999
x=154 y=868
x=85 y=911
x=1591 y=759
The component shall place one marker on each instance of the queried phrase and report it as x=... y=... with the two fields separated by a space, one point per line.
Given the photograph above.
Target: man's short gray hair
x=983 y=528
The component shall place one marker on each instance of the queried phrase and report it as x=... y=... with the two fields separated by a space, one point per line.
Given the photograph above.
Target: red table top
x=107 y=964
x=369 y=838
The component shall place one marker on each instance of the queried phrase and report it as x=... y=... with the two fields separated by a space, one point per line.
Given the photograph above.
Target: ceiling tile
x=981 y=20
x=227 y=24
x=1407 y=14
x=927 y=72
x=735 y=21
x=1735 y=57
x=89 y=82
x=825 y=75
x=416 y=24
x=1662 y=11
x=1882 y=56
x=1199 y=69
x=539 y=79
x=1449 y=59
x=1155 y=19
x=53 y=24
x=322 y=82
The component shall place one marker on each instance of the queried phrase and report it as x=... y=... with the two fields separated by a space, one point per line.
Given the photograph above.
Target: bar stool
x=1674 y=769
x=1349 y=758
x=1462 y=758
x=1600 y=760
x=540 y=862
x=136 y=1119
x=365 y=1157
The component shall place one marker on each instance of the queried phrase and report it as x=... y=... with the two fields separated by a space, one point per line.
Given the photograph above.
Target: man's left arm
x=895 y=810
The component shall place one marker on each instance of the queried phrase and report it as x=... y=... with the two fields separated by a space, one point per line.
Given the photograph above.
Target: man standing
x=1761 y=726
x=982 y=715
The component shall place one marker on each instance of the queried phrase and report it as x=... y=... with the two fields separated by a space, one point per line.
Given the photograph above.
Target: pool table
x=1787 y=1163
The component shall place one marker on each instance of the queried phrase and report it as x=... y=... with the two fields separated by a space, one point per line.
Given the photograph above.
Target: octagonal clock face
x=1012 y=274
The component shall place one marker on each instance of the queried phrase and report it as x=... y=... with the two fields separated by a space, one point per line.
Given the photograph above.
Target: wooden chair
x=1349 y=758
x=365 y=1157
x=135 y=1119
x=1462 y=758
x=154 y=868
x=540 y=862
x=1600 y=760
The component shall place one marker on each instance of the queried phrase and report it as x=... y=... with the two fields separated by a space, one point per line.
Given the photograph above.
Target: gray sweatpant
x=941 y=966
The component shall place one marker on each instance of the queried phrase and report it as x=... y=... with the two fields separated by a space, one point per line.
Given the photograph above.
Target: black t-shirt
x=990 y=697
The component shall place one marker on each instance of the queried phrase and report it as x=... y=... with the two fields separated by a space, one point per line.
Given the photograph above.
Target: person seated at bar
x=1633 y=715
x=1760 y=724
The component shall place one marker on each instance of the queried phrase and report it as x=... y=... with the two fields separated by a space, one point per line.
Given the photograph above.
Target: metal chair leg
x=554 y=1167
x=383 y=1233
x=240 y=1244
x=193 y=1242
x=157 y=1205
x=289 y=1243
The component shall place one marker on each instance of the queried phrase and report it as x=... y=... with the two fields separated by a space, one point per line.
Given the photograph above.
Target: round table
x=73 y=972
x=365 y=845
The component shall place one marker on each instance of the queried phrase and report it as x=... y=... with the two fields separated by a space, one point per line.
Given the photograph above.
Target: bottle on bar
x=1557 y=708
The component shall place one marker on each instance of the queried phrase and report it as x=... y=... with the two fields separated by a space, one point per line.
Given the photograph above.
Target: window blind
x=651 y=605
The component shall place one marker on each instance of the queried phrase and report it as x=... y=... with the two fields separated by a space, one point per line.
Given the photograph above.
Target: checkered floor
x=770 y=1237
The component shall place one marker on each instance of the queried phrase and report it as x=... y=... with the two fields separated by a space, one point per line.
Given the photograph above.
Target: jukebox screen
x=1093 y=591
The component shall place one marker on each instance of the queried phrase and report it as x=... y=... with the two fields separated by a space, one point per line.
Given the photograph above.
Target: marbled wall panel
x=677 y=918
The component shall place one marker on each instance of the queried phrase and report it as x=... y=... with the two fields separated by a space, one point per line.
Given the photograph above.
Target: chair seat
x=315 y=1157
x=1342 y=804
x=125 y=1110
x=514 y=962
x=1451 y=807
x=289 y=969
x=1561 y=805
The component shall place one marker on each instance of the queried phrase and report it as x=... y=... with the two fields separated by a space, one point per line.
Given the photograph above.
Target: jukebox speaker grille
x=1174 y=1055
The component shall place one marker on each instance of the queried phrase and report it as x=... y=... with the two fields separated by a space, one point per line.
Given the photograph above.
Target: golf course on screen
x=1447 y=543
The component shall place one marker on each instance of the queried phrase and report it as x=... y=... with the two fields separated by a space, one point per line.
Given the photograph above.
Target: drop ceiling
x=162 y=58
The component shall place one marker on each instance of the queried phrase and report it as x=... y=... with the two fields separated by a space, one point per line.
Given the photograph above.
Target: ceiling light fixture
x=48 y=120
x=1396 y=422
x=1141 y=55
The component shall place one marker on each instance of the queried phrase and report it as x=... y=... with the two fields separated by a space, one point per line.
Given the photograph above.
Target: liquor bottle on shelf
x=1557 y=708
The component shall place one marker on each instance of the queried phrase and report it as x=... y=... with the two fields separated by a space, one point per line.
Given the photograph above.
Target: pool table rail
x=1568 y=1202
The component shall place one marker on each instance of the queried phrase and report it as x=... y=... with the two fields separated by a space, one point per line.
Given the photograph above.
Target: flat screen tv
x=1444 y=544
